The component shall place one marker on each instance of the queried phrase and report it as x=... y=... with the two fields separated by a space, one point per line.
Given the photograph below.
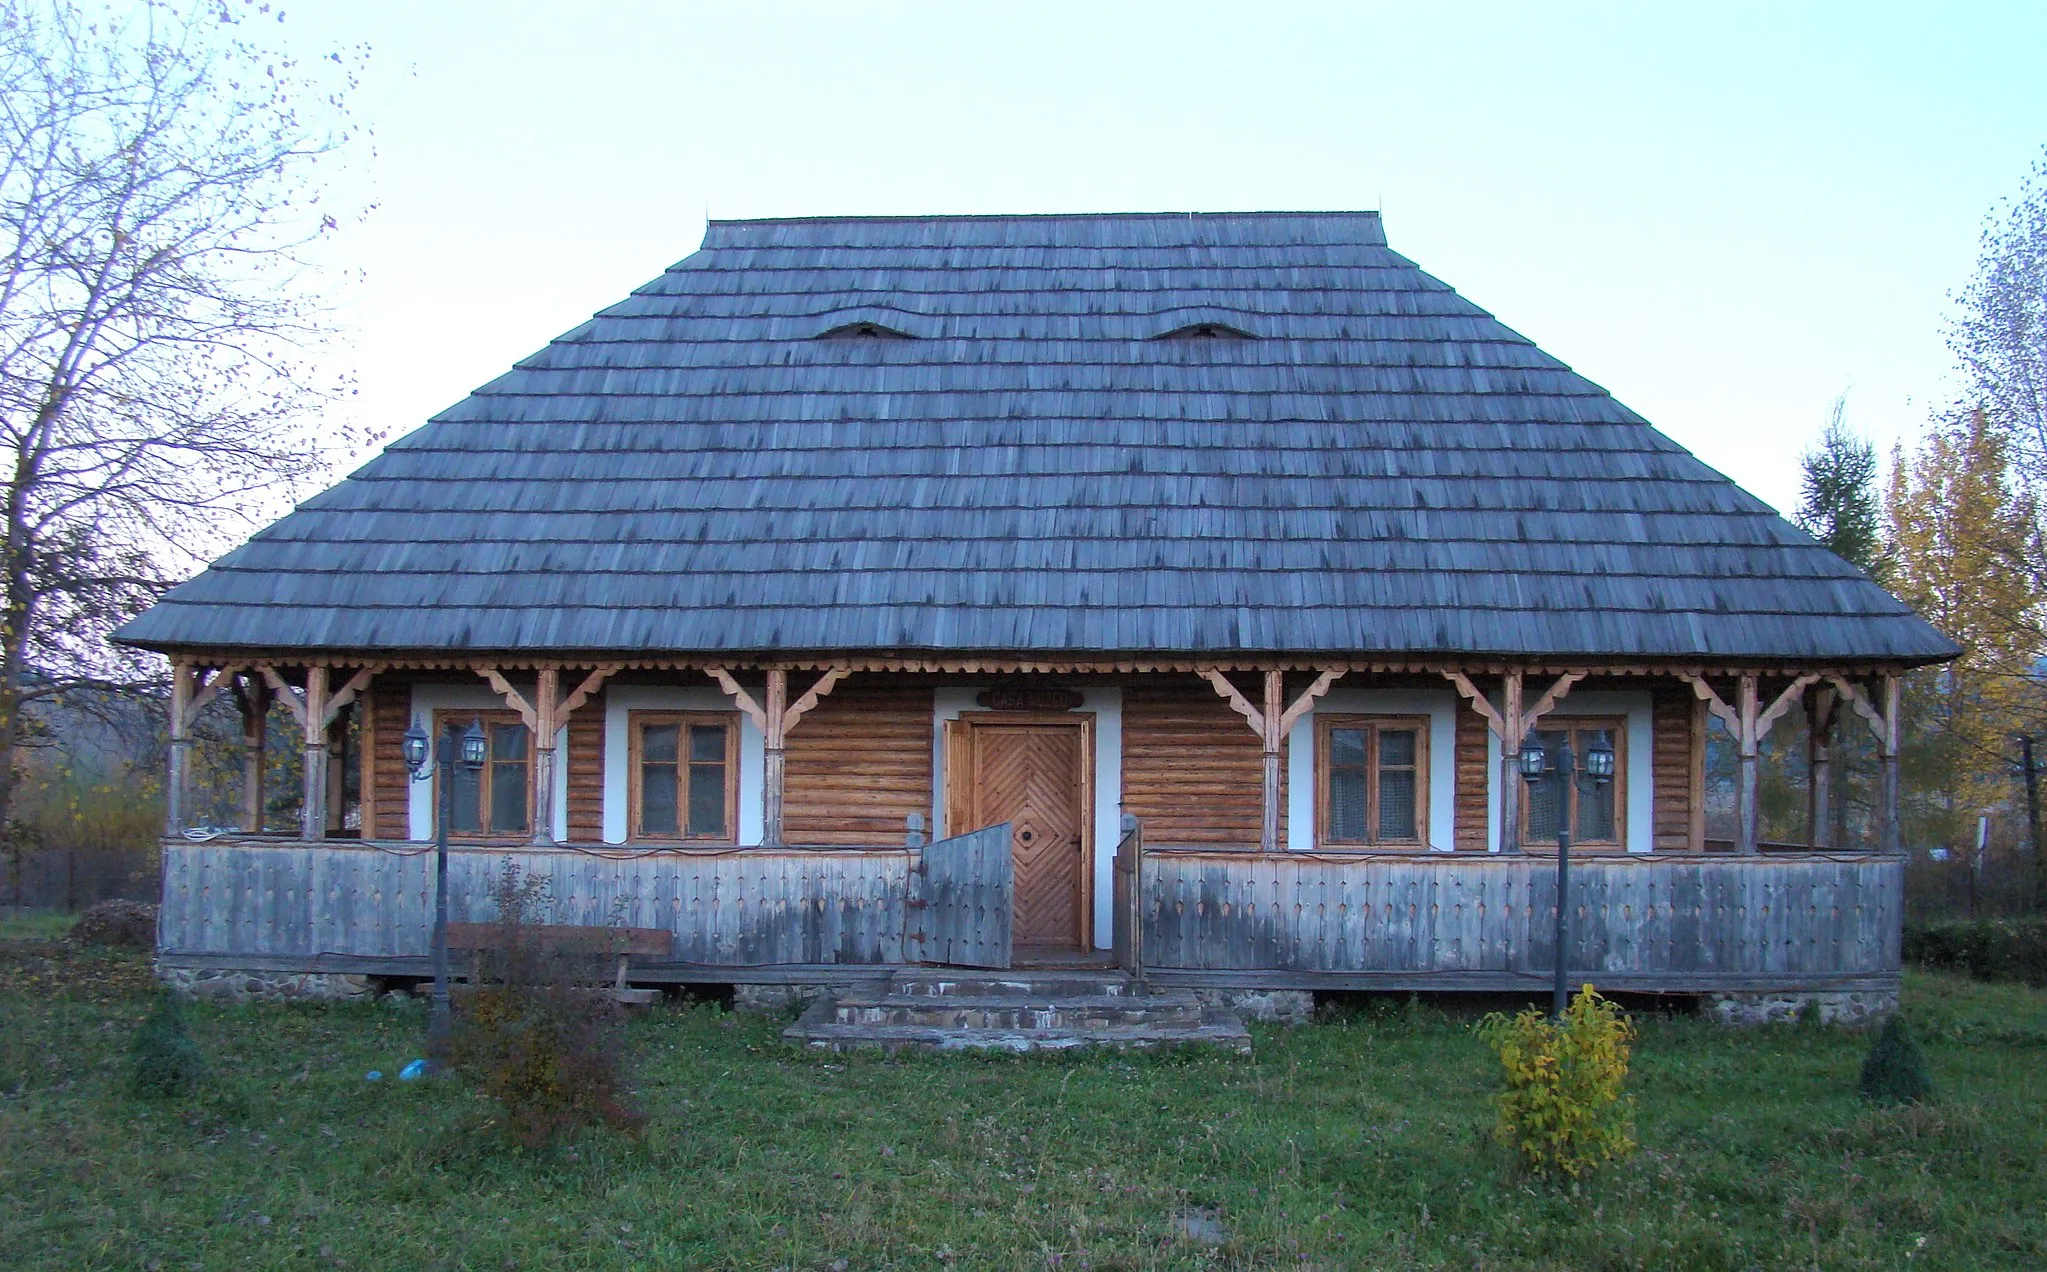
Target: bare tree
x=1999 y=335
x=157 y=334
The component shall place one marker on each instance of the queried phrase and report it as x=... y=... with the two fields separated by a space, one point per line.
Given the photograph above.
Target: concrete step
x=1216 y=1028
x=949 y=982
x=1018 y=1011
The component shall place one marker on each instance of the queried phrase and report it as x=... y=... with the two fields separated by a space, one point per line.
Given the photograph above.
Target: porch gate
x=969 y=889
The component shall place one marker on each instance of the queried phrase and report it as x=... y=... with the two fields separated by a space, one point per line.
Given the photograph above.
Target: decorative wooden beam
x=585 y=691
x=1479 y=703
x=734 y=690
x=1750 y=722
x=1238 y=702
x=512 y=697
x=1885 y=724
x=1307 y=700
x=802 y=706
x=1547 y=703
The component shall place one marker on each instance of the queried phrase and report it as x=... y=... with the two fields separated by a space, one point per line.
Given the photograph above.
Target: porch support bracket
x=314 y=709
x=1884 y=723
x=545 y=714
x=775 y=718
x=1750 y=722
x=1271 y=722
x=191 y=690
x=1511 y=722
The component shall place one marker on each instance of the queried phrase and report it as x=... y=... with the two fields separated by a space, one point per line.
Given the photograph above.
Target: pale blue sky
x=1726 y=213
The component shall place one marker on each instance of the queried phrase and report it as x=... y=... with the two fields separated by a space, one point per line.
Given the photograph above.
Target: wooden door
x=1033 y=776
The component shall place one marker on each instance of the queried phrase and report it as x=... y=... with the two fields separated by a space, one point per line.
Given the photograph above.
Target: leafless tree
x=158 y=333
x=1999 y=335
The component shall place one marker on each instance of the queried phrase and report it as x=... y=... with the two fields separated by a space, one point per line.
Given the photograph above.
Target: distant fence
x=74 y=878
x=1999 y=882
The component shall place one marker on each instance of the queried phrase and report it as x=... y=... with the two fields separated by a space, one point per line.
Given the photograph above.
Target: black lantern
x=416 y=746
x=475 y=747
x=1534 y=763
x=1599 y=763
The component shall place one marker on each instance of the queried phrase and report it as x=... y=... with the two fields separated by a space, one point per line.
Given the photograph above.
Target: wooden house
x=1227 y=562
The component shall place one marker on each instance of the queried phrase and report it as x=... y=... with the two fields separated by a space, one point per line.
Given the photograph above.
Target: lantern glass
x=1599 y=762
x=1533 y=762
x=415 y=746
x=475 y=747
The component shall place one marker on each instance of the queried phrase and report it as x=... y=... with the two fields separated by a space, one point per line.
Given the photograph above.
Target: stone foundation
x=1854 y=1008
x=250 y=987
x=1274 y=1006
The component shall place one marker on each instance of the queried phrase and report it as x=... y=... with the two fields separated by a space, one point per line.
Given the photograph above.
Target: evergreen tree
x=1838 y=502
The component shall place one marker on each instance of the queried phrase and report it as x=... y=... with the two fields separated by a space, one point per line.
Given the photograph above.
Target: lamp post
x=474 y=750
x=1563 y=769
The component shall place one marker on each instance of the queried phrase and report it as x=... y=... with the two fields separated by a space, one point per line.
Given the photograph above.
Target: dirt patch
x=127 y=925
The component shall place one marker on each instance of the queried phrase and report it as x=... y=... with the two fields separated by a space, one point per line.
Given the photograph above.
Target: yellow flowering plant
x=1565 y=1109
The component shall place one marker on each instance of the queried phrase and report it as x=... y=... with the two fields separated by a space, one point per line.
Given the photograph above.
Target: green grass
x=34 y=925
x=1358 y=1144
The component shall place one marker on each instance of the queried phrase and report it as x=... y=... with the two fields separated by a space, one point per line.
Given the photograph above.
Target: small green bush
x=1895 y=1070
x=1987 y=949
x=164 y=1060
x=1565 y=1109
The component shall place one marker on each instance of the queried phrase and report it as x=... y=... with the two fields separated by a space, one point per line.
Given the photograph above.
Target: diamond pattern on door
x=1030 y=776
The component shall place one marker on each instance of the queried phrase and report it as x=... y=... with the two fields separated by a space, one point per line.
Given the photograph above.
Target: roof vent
x=864 y=331
x=1206 y=331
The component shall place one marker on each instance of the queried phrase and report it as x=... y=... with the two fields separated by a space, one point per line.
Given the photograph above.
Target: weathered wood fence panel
x=1637 y=922
x=967 y=893
x=755 y=908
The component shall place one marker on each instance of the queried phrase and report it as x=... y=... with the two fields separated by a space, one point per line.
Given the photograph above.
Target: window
x=685 y=776
x=1206 y=331
x=1588 y=806
x=1374 y=779
x=498 y=798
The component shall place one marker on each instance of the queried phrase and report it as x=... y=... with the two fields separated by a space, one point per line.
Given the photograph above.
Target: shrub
x=1987 y=949
x=164 y=1060
x=537 y=1033
x=1895 y=1070
x=1565 y=1110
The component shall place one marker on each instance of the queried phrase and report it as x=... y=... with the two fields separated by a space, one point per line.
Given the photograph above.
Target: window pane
x=657 y=743
x=1347 y=805
x=1396 y=748
x=657 y=795
x=707 y=800
x=508 y=741
x=1396 y=804
x=1347 y=748
x=707 y=743
x=466 y=814
x=1595 y=801
x=508 y=796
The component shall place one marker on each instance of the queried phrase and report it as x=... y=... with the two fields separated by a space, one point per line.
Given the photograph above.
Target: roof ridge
x=862 y=218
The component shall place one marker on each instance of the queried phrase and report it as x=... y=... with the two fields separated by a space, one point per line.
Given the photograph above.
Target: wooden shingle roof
x=1349 y=457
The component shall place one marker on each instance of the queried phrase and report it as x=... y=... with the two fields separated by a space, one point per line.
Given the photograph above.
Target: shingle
x=1382 y=468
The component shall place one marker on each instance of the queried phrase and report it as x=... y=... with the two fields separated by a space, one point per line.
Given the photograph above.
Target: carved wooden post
x=1890 y=829
x=1820 y=709
x=771 y=784
x=1745 y=802
x=1275 y=707
x=1512 y=734
x=546 y=706
x=176 y=783
x=313 y=818
x=255 y=698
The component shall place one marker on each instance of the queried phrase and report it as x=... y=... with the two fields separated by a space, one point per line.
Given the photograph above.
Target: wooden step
x=1215 y=1029
x=1019 y=1012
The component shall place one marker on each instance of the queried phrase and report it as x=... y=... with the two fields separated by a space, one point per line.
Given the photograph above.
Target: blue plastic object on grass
x=417 y=1069
x=374 y=1075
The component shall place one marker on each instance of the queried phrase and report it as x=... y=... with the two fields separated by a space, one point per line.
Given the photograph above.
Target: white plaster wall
x=1640 y=760
x=1106 y=705
x=1441 y=709
x=428 y=698
x=753 y=753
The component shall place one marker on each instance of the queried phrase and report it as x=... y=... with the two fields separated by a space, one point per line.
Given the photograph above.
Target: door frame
x=960 y=789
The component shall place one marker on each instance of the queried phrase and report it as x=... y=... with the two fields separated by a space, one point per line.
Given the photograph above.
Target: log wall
x=1473 y=778
x=1677 y=765
x=387 y=784
x=585 y=759
x=1192 y=768
x=859 y=763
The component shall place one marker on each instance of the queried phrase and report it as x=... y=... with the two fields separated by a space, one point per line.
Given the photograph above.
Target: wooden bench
x=625 y=943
